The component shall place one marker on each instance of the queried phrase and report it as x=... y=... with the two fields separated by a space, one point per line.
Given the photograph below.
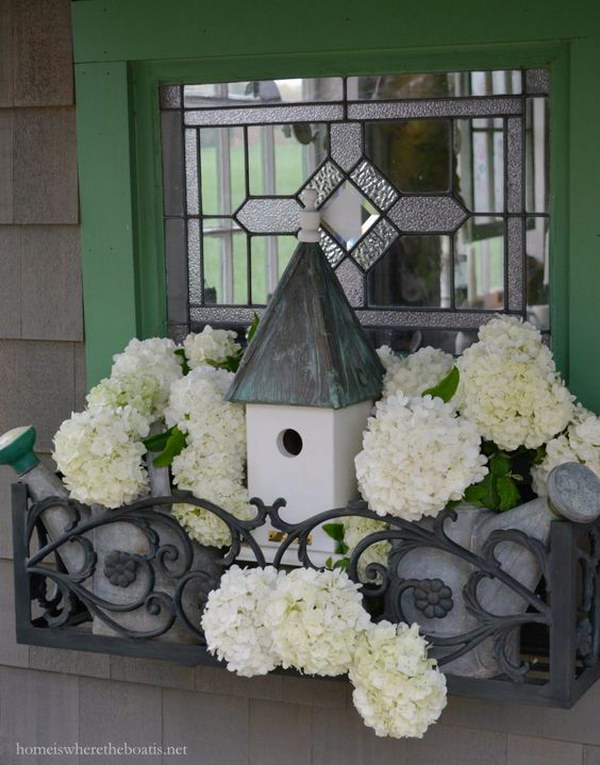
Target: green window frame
x=123 y=51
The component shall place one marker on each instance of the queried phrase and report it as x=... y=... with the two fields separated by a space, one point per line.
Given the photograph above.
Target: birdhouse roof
x=309 y=348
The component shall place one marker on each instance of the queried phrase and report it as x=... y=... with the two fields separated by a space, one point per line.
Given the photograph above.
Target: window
x=432 y=190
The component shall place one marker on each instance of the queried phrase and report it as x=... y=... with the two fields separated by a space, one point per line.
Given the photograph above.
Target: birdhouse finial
x=309 y=217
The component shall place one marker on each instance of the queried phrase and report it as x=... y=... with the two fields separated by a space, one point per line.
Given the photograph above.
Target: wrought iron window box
x=559 y=633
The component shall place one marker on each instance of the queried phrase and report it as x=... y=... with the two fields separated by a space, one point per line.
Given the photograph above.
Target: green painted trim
x=105 y=191
x=584 y=224
x=135 y=30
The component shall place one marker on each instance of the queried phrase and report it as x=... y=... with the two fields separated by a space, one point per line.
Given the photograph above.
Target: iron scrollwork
x=156 y=584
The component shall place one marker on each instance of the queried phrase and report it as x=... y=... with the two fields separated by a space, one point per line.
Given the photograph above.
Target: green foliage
x=231 y=363
x=169 y=444
x=446 y=388
x=184 y=362
x=336 y=532
x=251 y=331
x=499 y=490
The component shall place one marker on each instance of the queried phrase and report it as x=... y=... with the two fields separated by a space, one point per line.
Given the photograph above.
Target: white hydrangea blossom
x=154 y=358
x=100 y=454
x=398 y=691
x=141 y=392
x=417 y=456
x=211 y=465
x=233 y=620
x=356 y=528
x=210 y=345
x=411 y=375
x=581 y=443
x=315 y=618
x=509 y=386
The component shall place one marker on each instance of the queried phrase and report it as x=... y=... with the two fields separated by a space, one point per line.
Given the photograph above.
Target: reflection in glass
x=479 y=162
x=479 y=264
x=536 y=155
x=413 y=154
x=538 y=272
x=415 y=271
x=257 y=93
x=404 y=86
x=225 y=262
x=280 y=157
x=348 y=215
x=270 y=256
x=222 y=173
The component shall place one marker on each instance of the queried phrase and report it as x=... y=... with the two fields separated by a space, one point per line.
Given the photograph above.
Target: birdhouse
x=308 y=379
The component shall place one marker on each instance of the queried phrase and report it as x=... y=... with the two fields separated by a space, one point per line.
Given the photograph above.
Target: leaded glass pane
x=415 y=272
x=538 y=282
x=433 y=191
x=479 y=264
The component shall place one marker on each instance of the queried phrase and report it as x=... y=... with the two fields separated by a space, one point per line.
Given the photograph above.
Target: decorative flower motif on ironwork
x=433 y=598
x=120 y=568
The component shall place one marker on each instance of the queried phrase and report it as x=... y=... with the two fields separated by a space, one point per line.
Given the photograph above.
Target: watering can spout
x=16 y=449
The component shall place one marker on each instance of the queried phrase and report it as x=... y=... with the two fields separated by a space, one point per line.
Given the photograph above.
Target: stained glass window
x=432 y=188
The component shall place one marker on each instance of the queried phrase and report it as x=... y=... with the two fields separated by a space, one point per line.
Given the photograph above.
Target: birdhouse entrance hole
x=289 y=442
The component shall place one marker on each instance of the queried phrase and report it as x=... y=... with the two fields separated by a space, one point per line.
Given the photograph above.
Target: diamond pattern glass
x=432 y=187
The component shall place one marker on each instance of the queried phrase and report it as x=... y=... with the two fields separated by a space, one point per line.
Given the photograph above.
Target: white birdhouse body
x=305 y=455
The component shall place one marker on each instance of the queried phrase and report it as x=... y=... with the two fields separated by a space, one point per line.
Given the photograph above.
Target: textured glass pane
x=415 y=271
x=194 y=262
x=225 y=262
x=374 y=244
x=537 y=80
x=374 y=185
x=270 y=215
x=414 y=155
x=170 y=96
x=479 y=162
x=514 y=165
x=536 y=157
x=282 y=156
x=404 y=86
x=325 y=181
x=252 y=115
x=348 y=215
x=479 y=264
x=410 y=110
x=270 y=256
x=191 y=172
x=222 y=170
x=333 y=252
x=263 y=92
x=515 y=277
x=538 y=272
x=352 y=280
x=346 y=144
x=424 y=213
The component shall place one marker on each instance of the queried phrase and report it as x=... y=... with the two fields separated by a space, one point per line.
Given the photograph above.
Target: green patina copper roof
x=309 y=349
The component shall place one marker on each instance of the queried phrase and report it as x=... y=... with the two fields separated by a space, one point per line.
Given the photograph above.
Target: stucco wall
x=49 y=696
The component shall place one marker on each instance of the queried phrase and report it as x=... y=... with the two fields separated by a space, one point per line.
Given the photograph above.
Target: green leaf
x=499 y=465
x=341 y=548
x=184 y=362
x=157 y=442
x=483 y=493
x=251 y=331
x=173 y=447
x=231 y=363
x=334 y=530
x=329 y=563
x=342 y=563
x=446 y=388
x=508 y=493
